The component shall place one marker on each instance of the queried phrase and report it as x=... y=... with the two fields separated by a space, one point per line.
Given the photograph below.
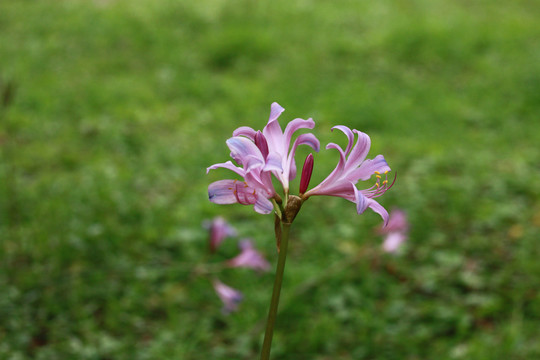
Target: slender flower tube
x=396 y=232
x=352 y=167
x=229 y=296
x=249 y=257
x=219 y=229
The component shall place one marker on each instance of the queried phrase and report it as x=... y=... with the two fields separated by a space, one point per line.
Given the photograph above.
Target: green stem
x=272 y=312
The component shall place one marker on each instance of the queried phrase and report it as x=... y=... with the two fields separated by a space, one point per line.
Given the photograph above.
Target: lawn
x=111 y=110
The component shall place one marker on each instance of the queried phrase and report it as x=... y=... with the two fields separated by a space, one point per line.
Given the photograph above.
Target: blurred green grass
x=119 y=106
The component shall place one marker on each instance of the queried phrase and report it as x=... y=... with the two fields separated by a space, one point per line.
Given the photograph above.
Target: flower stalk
x=272 y=312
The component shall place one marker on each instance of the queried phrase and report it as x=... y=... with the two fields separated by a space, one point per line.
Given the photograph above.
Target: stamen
x=378 y=189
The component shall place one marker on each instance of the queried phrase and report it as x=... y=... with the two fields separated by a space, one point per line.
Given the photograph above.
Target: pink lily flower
x=351 y=168
x=249 y=257
x=229 y=296
x=276 y=143
x=219 y=230
x=396 y=232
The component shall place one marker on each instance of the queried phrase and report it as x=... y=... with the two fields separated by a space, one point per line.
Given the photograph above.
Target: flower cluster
x=261 y=154
x=248 y=257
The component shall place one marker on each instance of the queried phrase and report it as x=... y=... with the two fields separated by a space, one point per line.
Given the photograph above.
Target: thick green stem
x=272 y=312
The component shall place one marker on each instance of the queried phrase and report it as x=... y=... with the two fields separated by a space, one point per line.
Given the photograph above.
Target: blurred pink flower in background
x=249 y=257
x=396 y=232
x=219 y=229
x=229 y=296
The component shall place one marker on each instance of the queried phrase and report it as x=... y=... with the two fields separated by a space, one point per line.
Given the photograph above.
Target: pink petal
x=245 y=131
x=368 y=168
x=273 y=162
x=227 y=165
x=359 y=152
x=275 y=111
x=241 y=148
x=272 y=131
x=263 y=205
x=379 y=209
x=334 y=175
x=222 y=192
x=303 y=139
x=362 y=203
x=350 y=136
x=397 y=223
x=297 y=124
x=344 y=189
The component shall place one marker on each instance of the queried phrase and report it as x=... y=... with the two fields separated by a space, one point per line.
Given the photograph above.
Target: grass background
x=112 y=110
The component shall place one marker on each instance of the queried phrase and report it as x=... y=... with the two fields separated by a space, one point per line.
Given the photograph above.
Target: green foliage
x=110 y=111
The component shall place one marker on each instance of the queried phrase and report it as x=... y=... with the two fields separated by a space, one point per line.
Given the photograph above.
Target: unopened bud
x=307 y=170
x=261 y=143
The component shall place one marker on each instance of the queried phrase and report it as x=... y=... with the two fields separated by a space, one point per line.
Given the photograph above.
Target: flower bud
x=261 y=143
x=307 y=170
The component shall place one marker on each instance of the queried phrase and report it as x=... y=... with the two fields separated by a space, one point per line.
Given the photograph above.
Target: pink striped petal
x=273 y=162
x=241 y=148
x=275 y=111
x=359 y=152
x=272 y=131
x=222 y=192
x=227 y=165
x=379 y=209
x=295 y=125
x=245 y=131
x=303 y=139
x=350 y=136
x=368 y=168
x=263 y=205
